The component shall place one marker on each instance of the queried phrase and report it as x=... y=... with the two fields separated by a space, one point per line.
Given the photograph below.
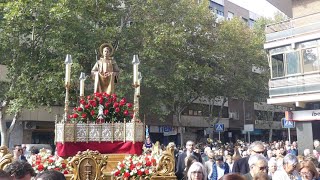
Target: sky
x=260 y=7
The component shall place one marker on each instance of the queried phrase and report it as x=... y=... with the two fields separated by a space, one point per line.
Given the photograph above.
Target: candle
x=82 y=87
x=135 y=63
x=82 y=79
x=68 y=63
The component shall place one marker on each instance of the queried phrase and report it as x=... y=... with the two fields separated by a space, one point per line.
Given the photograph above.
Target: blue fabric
x=214 y=175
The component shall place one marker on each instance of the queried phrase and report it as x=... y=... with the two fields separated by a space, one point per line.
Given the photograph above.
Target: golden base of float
x=95 y=166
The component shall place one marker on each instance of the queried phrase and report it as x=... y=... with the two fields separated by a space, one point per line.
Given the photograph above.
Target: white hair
x=256 y=143
x=290 y=159
x=272 y=161
x=207 y=149
x=306 y=152
x=197 y=166
x=255 y=158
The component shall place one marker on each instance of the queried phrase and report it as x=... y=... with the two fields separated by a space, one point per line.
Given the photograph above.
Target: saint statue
x=105 y=71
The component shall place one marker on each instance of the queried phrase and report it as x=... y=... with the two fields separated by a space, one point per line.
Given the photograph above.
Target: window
x=277 y=65
x=292 y=63
x=251 y=23
x=230 y=15
x=245 y=20
x=311 y=60
x=219 y=12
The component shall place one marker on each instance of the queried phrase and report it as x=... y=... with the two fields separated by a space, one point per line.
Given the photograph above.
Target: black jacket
x=180 y=164
x=241 y=166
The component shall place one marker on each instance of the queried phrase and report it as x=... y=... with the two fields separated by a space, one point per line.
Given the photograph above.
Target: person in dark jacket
x=180 y=165
x=241 y=166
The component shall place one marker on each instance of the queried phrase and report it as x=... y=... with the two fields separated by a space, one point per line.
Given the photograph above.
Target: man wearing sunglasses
x=290 y=163
x=241 y=166
x=258 y=165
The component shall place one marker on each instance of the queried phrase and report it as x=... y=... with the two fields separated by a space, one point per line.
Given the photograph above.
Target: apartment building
x=226 y=10
x=293 y=50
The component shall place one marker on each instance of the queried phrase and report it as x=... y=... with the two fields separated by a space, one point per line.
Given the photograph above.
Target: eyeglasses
x=263 y=168
x=305 y=173
x=294 y=165
x=190 y=144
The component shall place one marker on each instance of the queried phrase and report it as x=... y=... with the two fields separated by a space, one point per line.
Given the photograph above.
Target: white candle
x=68 y=63
x=82 y=87
x=68 y=73
x=135 y=63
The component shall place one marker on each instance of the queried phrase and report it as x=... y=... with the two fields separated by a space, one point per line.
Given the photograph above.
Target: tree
x=36 y=35
x=174 y=40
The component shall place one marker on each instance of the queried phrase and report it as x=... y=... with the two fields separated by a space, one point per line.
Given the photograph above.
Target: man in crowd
x=290 y=163
x=241 y=165
x=180 y=166
x=219 y=168
x=21 y=170
x=258 y=164
x=18 y=153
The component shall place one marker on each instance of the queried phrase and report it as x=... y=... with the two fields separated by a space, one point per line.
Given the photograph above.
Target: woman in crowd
x=189 y=160
x=272 y=165
x=308 y=171
x=197 y=172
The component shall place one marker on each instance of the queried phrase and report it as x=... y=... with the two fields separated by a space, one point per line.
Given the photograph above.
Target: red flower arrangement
x=100 y=108
x=45 y=161
x=136 y=167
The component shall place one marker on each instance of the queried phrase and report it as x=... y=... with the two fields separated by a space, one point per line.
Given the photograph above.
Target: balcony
x=295 y=85
x=293 y=30
x=301 y=88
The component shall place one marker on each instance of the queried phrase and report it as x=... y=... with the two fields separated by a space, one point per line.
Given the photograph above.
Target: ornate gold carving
x=88 y=165
x=167 y=162
x=5 y=157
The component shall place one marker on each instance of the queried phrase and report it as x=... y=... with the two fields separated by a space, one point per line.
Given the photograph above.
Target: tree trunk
x=4 y=139
x=4 y=132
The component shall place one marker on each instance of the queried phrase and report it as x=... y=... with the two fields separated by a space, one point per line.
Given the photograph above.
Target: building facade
x=293 y=50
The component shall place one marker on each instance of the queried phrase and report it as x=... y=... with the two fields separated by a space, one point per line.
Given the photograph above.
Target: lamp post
x=68 y=62
x=82 y=78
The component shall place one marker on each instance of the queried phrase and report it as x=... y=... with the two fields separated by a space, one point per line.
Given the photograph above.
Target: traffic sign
x=287 y=124
x=219 y=127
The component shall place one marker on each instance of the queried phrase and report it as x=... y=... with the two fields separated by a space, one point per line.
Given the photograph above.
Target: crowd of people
x=21 y=169
x=278 y=160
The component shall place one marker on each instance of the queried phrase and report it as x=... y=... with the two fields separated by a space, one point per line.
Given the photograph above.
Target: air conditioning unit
x=29 y=125
x=233 y=115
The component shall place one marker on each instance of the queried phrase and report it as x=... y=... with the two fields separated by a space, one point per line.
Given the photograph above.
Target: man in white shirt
x=289 y=171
